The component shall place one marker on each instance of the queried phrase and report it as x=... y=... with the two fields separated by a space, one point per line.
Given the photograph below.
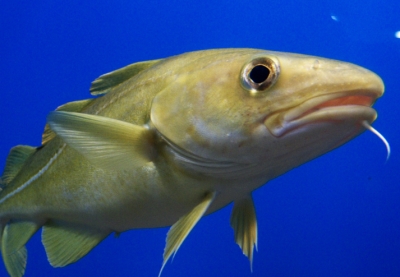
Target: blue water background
x=338 y=215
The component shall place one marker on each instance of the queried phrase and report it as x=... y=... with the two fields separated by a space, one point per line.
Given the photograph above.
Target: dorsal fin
x=107 y=81
x=75 y=106
x=15 y=160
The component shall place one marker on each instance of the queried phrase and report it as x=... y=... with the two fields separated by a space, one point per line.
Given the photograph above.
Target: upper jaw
x=340 y=106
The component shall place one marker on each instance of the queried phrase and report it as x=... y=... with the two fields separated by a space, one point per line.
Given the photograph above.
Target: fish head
x=256 y=112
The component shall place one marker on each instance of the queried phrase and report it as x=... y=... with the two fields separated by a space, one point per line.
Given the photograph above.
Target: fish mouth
x=348 y=106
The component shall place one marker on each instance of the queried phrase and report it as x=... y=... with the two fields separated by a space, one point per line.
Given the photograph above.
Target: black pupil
x=259 y=74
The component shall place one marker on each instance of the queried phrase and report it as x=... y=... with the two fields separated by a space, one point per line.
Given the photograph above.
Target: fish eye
x=260 y=74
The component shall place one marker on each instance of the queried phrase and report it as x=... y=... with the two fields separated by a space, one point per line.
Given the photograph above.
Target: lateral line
x=34 y=177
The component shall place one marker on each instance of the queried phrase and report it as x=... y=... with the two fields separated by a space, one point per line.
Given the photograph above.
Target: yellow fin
x=107 y=81
x=75 y=106
x=181 y=229
x=244 y=224
x=16 y=262
x=14 y=238
x=15 y=160
x=105 y=142
x=65 y=244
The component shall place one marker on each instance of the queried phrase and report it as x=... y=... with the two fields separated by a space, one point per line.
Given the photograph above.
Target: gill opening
x=382 y=138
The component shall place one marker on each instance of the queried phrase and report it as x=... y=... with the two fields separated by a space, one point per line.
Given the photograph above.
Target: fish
x=165 y=142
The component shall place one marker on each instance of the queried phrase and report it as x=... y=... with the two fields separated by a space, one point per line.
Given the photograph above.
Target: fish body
x=168 y=141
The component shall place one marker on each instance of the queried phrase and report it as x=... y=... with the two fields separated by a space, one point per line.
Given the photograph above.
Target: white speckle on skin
x=316 y=64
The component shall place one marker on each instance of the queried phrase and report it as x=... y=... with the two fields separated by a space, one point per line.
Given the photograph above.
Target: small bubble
x=397 y=34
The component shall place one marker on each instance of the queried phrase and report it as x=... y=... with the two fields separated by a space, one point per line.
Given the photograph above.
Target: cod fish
x=167 y=141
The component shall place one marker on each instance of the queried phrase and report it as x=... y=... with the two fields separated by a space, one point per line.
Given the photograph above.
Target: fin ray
x=106 y=142
x=244 y=224
x=65 y=244
x=15 y=161
x=181 y=229
x=15 y=236
x=75 y=106
x=106 y=82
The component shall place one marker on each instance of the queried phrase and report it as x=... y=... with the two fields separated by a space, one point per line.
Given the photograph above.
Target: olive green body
x=194 y=132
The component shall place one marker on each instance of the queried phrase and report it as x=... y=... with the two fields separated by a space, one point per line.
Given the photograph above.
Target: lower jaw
x=354 y=114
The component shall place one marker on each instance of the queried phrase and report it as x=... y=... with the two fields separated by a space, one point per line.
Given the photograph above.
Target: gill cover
x=216 y=106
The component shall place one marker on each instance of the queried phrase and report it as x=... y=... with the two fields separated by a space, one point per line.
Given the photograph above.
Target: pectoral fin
x=14 y=238
x=105 y=142
x=181 y=229
x=65 y=244
x=244 y=224
x=75 y=106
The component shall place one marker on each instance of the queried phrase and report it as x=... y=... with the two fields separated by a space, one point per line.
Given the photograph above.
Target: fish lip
x=355 y=106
